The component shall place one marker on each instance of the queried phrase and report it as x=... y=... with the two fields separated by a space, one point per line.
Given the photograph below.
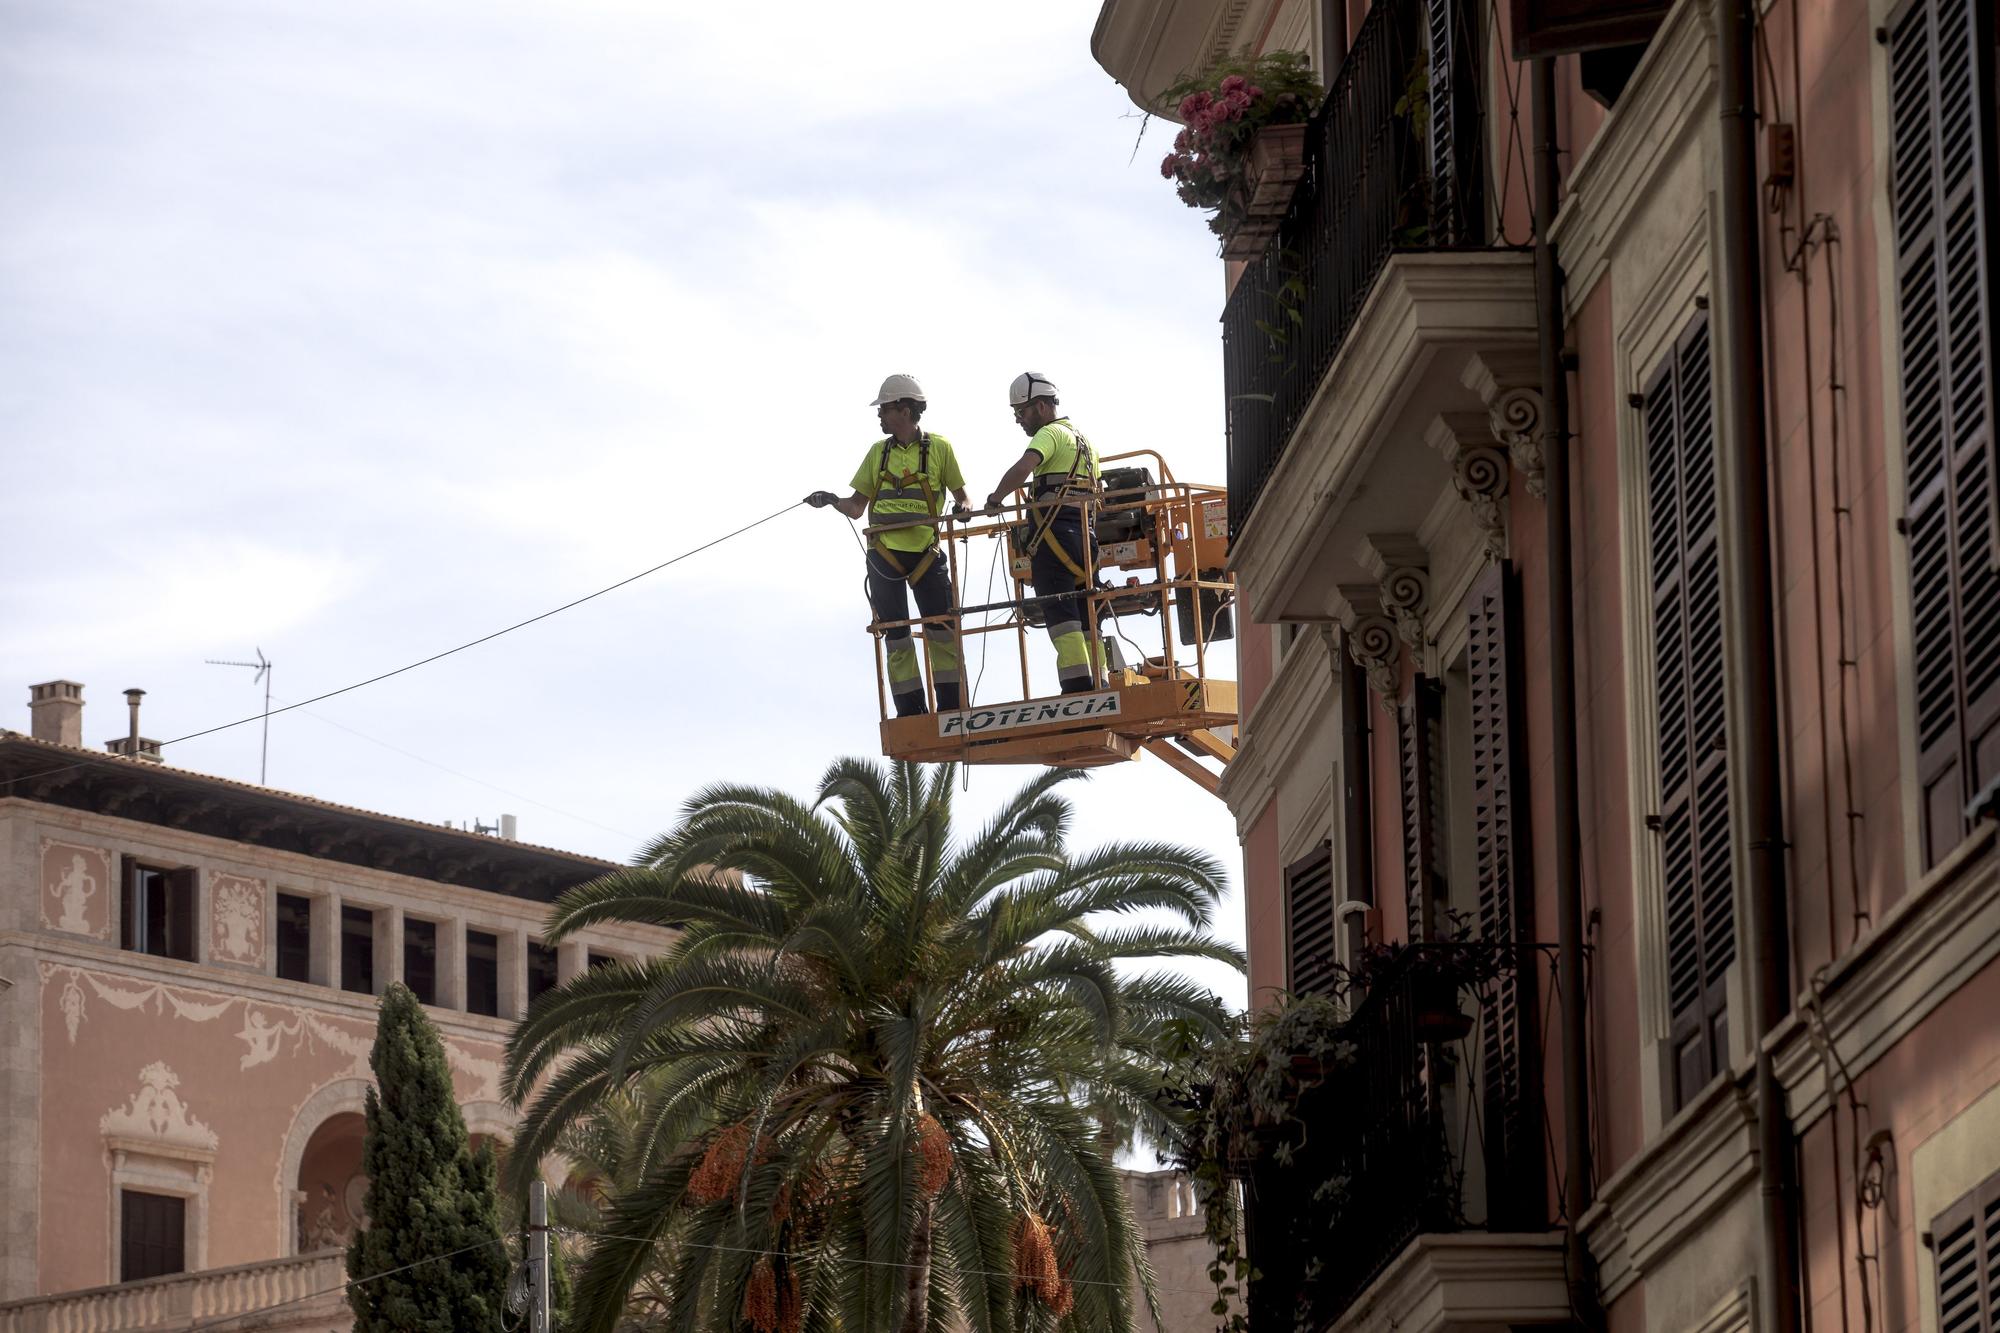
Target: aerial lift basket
x=1161 y=600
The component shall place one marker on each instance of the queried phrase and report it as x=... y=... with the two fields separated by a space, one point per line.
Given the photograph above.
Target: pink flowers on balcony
x=1216 y=162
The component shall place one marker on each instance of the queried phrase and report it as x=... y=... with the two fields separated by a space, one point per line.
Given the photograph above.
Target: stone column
x=451 y=964
x=513 y=974
x=388 y=946
x=324 y=967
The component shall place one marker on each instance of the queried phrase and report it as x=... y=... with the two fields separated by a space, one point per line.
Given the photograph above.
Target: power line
x=434 y=657
x=467 y=777
x=869 y=1263
x=219 y=1320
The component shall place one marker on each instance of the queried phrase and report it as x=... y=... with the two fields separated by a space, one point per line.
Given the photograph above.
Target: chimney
x=133 y=745
x=507 y=828
x=57 y=709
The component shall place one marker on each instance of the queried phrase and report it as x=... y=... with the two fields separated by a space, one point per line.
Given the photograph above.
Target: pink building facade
x=1658 y=607
x=191 y=968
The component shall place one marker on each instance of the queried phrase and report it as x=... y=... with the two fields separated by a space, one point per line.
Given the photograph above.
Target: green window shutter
x=1509 y=1068
x=1309 y=924
x=1423 y=871
x=1684 y=565
x=1941 y=73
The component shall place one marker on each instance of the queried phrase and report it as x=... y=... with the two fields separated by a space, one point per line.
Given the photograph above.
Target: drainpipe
x=1577 y=1190
x=1354 y=774
x=1751 y=627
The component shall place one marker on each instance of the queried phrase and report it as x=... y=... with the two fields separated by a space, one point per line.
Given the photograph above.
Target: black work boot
x=910 y=705
x=947 y=696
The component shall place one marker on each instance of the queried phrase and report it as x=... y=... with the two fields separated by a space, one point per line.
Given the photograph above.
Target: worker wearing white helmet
x=1063 y=470
x=902 y=480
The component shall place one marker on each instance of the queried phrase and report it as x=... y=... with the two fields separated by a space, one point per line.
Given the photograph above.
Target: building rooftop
x=143 y=789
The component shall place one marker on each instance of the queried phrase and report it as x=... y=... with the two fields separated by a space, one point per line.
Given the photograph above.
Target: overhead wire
x=220 y=1320
x=467 y=777
x=448 y=652
x=864 y=1263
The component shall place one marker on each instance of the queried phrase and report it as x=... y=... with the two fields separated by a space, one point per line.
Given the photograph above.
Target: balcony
x=1416 y=1198
x=1387 y=315
x=299 y=1293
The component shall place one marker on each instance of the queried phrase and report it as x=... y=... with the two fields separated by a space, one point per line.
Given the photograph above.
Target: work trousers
x=888 y=596
x=1063 y=603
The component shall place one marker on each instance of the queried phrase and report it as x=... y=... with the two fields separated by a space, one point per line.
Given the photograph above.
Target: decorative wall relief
x=77 y=888
x=157 y=1114
x=236 y=919
x=268 y=1031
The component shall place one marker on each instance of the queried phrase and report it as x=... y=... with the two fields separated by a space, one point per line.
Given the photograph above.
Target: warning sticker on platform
x=1007 y=717
x=1215 y=520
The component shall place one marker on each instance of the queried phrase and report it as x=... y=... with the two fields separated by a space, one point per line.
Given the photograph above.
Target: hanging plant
x=1234 y=154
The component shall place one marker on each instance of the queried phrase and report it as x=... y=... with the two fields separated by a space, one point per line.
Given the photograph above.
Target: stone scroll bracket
x=1479 y=472
x=1372 y=640
x=1509 y=384
x=1401 y=568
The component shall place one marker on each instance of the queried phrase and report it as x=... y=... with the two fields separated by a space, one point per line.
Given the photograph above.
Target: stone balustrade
x=272 y=1294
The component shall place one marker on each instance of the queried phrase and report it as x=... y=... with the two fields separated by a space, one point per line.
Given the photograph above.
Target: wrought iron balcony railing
x=1395 y=161
x=1436 y=1126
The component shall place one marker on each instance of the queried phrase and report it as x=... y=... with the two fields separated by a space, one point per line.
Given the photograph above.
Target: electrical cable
x=474 y=643
x=467 y=777
x=863 y=1263
x=220 y=1320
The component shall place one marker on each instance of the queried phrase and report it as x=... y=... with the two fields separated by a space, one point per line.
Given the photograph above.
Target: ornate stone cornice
x=1478 y=472
x=162 y=794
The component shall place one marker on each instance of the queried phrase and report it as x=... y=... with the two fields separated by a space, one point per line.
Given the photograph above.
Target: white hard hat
x=898 y=387
x=1029 y=386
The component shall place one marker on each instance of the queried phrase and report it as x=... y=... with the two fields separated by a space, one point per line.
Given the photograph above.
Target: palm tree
x=874 y=1059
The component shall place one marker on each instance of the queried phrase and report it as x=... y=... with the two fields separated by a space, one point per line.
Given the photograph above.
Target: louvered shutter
x=1684 y=559
x=1965 y=1242
x=1309 y=924
x=1423 y=878
x=1941 y=73
x=1509 y=1075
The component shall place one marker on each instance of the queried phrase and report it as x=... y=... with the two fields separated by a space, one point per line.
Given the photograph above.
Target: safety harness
x=888 y=480
x=1061 y=488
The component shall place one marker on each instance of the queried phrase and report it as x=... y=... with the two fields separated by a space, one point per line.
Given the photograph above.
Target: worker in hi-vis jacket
x=1063 y=469
x=902 y=480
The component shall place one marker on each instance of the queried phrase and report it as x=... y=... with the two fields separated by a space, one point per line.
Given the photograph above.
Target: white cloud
x=358 y=331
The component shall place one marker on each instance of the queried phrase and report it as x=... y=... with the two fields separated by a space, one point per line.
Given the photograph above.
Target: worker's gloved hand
x=961 y=512
x=992 y=503
x=821 y=499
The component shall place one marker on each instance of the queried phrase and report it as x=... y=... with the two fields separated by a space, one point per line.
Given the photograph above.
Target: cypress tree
x=428 y=1195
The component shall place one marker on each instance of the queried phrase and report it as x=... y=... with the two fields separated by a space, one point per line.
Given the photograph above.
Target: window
x=482 y=973
x=157 y=914
x=1309 y=922
x=542 y=971
x=597 y=959
x=420 y=958
x=1942 y=161
x=357 y=949
x=1685 y=573
x=294 y=937
x=1965 y=1243
x=152 y=1235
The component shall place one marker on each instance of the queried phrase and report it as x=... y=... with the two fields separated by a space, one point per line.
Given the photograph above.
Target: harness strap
x=888 y=553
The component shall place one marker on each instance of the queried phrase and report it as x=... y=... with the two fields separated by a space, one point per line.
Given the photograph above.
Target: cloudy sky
x=355 y=331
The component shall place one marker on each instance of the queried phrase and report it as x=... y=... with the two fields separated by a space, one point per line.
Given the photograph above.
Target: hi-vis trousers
x=1068 y=621
x=886 y=595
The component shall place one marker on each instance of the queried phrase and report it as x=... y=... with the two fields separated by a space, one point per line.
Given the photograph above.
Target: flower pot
x=1434 y=1011
x=1277 y=162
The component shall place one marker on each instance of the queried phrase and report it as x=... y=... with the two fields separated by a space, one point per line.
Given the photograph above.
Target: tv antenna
x=262 y=666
